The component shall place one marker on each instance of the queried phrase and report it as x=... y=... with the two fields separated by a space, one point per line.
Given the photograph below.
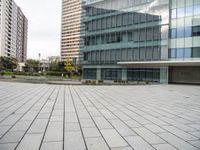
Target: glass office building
x=142 y=40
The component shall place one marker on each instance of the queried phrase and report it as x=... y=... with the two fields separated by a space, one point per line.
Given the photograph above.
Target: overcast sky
x=44 y=26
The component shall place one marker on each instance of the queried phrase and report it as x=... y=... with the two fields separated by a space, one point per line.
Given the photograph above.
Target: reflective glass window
x=112 y=54
x=173 y=14
x=196 y=31
x=124 y=54
x=196 y=52
x=99 y=24
x=173 y=33
x=180 y=12
x=103 y=23
x=180 y=53
x=149 y=53
x=142 y=17
x=118 y=55
x=129 y=54
x=125 y=19
x=114 y=23
x=173 y=53
x=142 y=53
x=130 y=36
x=108 y=22
x=119 y=20
x=94 y=25
x=196 y=9
x=136 y=54
x=136 y=18
x=180 y=32
x=142 y=35
x=136 y=35
x=149 y=34
x=157 y=33
x=189 y=11
x=187 y=53
x=188 y=31
x=130 y=18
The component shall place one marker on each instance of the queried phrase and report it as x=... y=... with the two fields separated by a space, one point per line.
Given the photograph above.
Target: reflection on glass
x=196 y=9
x=188 y=31
x=180 y=32
x=173 y=14
x=180 y=53
x=189 y=11
x=173 y=33
x=173 y=53
x=187 y=53
x=180 y=12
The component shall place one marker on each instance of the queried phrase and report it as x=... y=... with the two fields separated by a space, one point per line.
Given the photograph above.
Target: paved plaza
x=58 y=117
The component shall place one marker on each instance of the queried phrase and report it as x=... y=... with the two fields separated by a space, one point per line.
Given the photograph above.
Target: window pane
x=149 y=34
x=130 y=18
x=189 y=11
x=108 y=22
x=196 y=9
x=188 y=31
x=173 y=15
x=180 y=53
x=180 y=12
x=196 y=52
x=173 y=33
x=180 y=32
x=136 y=54
x=142 y=53
x=142 y=35
x=187 y=53
x=173 y=53
x=196 y=31
x=125 y=19
x=119 y=20
x=114 y=21
x=149 y=53
x=130 y=36
x=136 y=18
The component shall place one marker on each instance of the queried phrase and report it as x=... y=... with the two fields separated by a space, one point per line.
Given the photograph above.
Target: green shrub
x=52 y=73
x=7 y=73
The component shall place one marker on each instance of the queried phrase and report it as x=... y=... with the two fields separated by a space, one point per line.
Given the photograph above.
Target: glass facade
x=123 y=31
x=184 y=29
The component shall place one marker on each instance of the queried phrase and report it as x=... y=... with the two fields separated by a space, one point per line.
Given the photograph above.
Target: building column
x=98 y=73
x=164 y=75
x=124 y=74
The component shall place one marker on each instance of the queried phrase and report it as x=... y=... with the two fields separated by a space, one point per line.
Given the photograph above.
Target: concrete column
x=164 y=75
x=98 y=73
x=124 y=74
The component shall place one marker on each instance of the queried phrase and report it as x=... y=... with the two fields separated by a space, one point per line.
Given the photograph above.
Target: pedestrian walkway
x=64 y=117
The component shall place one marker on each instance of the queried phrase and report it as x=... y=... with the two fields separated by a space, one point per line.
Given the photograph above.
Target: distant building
x=71 y=30
x=13 y=31
x=142 y=40
x=22 y=29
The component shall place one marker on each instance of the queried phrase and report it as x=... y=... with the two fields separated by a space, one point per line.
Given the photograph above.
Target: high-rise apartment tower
x=71 y=30
x=13 y=31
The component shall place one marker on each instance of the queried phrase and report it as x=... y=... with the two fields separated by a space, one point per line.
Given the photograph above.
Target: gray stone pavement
x=59 y=117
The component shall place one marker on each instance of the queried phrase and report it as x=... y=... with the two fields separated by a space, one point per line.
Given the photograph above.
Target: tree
x=32 y=65
x=69 y=67
x=7 y=63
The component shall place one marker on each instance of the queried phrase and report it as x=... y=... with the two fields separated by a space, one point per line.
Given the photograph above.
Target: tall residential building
x=71 y=30
x=22 y=30
x=142 y=40
x=13 y=31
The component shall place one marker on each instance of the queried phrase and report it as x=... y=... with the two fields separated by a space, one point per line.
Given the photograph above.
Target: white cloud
x=44 y=17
